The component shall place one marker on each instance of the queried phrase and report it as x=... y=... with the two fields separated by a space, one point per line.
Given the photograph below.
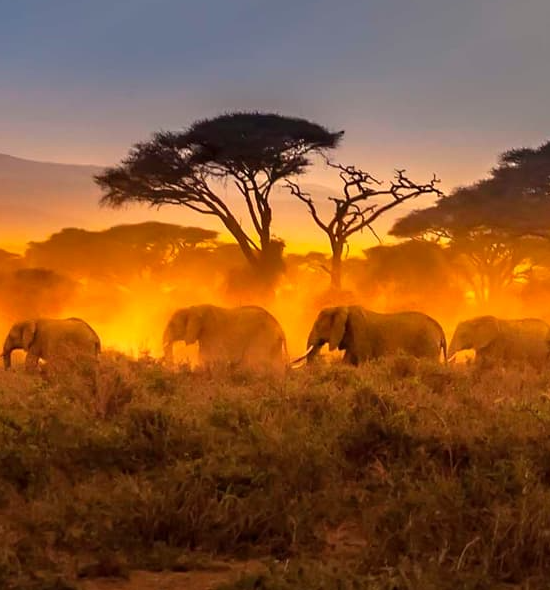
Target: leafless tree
x=363 y=200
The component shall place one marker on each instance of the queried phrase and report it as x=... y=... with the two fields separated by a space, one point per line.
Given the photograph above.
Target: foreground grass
x=395 y=475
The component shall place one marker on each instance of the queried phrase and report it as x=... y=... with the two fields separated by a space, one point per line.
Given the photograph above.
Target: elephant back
x=418 y=334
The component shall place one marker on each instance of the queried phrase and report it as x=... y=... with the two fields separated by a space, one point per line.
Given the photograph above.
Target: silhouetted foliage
x=118 y=252
x=497 y=228
x=363 y=200
x=411 y=275
x=253 y=151
x=9 y=261
x=311 y=262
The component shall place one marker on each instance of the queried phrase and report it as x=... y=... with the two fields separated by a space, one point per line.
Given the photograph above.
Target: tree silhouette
x=253 y=151
x=153 y=245
x=9 y=261
x=413 y=274
x=495 y=229
x=119 y=252
x=363 y=200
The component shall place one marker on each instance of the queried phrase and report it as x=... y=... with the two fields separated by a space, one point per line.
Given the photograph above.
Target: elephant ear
x=338 y=327
x=28 y=332
x=490 y=329
x=195 y=320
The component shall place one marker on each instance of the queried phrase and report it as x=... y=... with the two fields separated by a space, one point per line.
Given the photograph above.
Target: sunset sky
x=428 y=85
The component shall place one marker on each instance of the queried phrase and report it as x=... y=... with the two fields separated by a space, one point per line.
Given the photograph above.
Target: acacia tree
x=131 y=249
x=363 y=200
x=253 y=151
x=497 y=229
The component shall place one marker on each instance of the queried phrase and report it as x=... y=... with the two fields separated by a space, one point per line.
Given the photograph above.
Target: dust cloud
x=127 y=282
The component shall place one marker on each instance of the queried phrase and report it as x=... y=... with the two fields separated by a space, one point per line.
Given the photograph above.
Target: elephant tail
x=443 y=346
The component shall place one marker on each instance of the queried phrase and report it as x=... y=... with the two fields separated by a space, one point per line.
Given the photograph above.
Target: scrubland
x=400 y=474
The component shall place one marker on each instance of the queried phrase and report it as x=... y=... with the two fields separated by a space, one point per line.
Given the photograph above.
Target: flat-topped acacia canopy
x=253 y=150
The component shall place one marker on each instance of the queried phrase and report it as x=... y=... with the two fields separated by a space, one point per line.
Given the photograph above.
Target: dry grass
x=403 y=474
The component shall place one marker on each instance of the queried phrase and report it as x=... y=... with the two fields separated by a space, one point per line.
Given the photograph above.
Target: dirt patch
x=193 y=580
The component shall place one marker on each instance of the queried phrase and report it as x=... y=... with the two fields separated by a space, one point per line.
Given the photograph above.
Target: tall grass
x=401 y=474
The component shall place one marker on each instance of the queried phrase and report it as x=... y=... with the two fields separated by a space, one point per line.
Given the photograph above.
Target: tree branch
x=305 y=198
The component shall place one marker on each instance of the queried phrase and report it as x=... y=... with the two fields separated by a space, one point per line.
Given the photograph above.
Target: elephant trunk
x=168 y=344
x=7 y=356
x=314 y=345
x=444 y=350
x=312 y=354
x=454 y=347
x=168 y=351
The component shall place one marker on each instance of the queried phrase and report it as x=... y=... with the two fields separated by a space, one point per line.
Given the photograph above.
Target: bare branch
x=245 y=192
x=305 y=197
x=363 y=200
x=373 y=232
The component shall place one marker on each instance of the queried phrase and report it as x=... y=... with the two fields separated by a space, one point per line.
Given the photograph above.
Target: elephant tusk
x=303 y=357
x=452 y=358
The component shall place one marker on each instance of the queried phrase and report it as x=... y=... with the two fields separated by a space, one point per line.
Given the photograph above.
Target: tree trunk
x=270 y=263
x=242 y=239
x=265 y=264
x=336 y=267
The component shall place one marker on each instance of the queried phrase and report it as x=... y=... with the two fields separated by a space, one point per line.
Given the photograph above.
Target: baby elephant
x=51 y=340
x=494 y=338
x=246 y=336
x=365 y=334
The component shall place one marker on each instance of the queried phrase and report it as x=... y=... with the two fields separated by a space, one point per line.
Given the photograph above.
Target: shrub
x=400 y=474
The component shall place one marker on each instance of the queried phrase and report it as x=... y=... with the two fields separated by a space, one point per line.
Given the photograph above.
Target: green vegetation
x=399 y=474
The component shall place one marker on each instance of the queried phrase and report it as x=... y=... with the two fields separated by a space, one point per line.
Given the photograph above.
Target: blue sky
x=430 y=85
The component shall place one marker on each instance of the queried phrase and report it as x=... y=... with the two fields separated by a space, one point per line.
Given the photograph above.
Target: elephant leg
x=94 y=378
x=351 y=358
x=486 y=358
x=88 y=369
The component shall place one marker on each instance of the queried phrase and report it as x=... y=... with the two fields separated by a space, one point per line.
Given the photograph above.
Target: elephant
x=51 y=340
x=494 y=338
x=365 y=334
x=246 y=336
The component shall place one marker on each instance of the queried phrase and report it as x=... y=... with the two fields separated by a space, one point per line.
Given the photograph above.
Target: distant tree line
x=494 y=233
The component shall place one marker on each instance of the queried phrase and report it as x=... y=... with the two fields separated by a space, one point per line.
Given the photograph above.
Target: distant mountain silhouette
x=39 y=198
x=20 y=173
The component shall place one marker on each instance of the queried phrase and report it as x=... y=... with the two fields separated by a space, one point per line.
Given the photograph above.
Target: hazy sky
x=431 y=85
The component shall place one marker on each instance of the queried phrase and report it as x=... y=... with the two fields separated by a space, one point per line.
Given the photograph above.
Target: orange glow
x=130 y=313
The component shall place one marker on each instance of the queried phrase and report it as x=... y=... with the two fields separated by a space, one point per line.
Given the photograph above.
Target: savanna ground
x=396 y=475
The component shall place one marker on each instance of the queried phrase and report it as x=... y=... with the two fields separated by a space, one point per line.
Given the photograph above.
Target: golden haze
x=129 y=312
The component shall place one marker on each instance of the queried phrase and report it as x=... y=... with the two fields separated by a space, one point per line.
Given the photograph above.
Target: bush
x=399 y=473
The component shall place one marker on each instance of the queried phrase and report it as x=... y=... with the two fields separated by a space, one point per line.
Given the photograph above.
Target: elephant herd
x=365 y=334
x=249 y=336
